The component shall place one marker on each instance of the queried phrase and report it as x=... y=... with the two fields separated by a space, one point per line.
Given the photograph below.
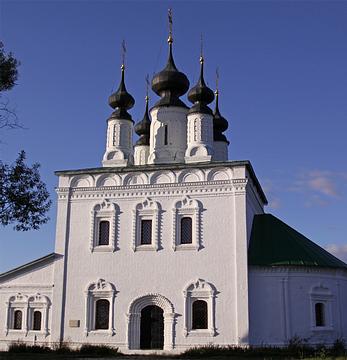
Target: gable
x=39 y=271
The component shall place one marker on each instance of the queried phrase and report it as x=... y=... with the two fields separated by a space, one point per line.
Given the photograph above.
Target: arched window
x=37 y=320
x=200 y=316
x=102 y=314
x=186 y=230
x=320 y=314
x=104 y=233
x=17 y=320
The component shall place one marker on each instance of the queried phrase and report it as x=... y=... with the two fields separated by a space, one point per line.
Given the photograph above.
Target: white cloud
x=340 y=251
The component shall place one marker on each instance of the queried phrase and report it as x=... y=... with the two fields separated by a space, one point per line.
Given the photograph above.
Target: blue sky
x=283 y=89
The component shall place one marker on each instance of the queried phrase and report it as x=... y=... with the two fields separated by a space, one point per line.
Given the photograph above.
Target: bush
x=100 y=350
x=20 y=347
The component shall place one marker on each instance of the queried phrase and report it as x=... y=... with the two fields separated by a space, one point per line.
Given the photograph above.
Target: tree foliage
x=24 y=199
x=8 y=69
x=8 y=76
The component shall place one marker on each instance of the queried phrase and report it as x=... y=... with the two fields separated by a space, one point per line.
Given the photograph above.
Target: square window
x=146 y=232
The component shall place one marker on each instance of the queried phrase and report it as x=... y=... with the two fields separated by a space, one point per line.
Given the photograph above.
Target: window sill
x=100 y=332
x=322 y=328
x=16 y=332
x=103 y=248
x=183 y=247
x=145 y=248
x=201 y=333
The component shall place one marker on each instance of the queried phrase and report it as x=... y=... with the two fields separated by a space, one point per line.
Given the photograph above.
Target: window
x=186 y=230
x=199 y=319
x=146 y=232
x=199 y=315
x=28 y=313
x=104 y=232
x=320 y=315
x=146 y=226
x=102 y=314
x=321 y=309
x=17 y=320
x=37 y=319
x=100 y=297
x=165 y=135
x=186 y=224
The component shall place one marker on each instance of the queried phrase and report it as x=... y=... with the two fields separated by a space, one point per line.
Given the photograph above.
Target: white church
x=167 y=245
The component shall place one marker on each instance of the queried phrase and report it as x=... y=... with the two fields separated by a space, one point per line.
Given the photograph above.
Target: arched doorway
x=151 y=321
x=152 y=328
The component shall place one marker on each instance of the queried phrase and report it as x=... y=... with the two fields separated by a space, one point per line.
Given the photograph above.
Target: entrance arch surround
x=134 y=319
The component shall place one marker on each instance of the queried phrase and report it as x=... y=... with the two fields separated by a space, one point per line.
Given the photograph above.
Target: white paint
x=175 y=120
x=119 y=149
x=199 y=138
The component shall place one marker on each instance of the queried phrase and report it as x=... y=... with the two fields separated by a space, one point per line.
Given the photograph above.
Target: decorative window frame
x=199 y=290
x=183 y=208
x=17 y=302
x=147 y=210
x=40 y=303
x=101 y=289
x=27 y=304
x=322 y=294
x=104 y=211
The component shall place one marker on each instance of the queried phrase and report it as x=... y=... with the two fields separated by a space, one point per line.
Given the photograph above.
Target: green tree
x=8 y=77
x=24 y=199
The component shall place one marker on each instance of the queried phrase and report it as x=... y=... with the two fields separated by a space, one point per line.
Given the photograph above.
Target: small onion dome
x=170 y=83
x=201 y=95
x=121 y=101
x=220 y=124
x=142 y=128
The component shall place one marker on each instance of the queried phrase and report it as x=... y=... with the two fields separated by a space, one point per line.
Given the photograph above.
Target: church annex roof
x=47 y=259
x=274 y=243
x=156 y=167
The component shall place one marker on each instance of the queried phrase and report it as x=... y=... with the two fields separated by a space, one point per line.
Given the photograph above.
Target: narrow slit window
x=165 y=135
x=320 y=314
x=186 y=230
x=102 y=314
x=146 y=232
x=37 y=319
x=199 y=315
x=17 y=321
x=104 y=232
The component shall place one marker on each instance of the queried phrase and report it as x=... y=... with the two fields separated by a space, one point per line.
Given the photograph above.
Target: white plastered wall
x=26 y=283
x=282 y=305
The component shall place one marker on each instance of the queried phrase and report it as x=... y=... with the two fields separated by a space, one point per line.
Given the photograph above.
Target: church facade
x=167 y=245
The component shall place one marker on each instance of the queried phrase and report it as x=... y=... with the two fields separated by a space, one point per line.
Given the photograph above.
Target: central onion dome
x=220 y=124
x=142 y=128
x=170 y=83
x=201 y=95
x=121 y=101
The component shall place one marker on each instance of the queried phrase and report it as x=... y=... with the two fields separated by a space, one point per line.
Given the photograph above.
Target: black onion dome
x=220 y=124
x=201 y=95
x=170 y=83
x=142 y=128
x=121 y=101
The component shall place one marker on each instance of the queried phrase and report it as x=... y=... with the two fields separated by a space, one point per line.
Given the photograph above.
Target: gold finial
x=147 y=86
x=170 y=38
x=123 y=51
x=217 y=81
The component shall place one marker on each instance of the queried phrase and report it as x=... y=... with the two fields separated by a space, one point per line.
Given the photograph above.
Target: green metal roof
x=274 y=243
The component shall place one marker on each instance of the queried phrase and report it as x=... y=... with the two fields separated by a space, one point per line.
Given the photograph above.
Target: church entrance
x=152 y=328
